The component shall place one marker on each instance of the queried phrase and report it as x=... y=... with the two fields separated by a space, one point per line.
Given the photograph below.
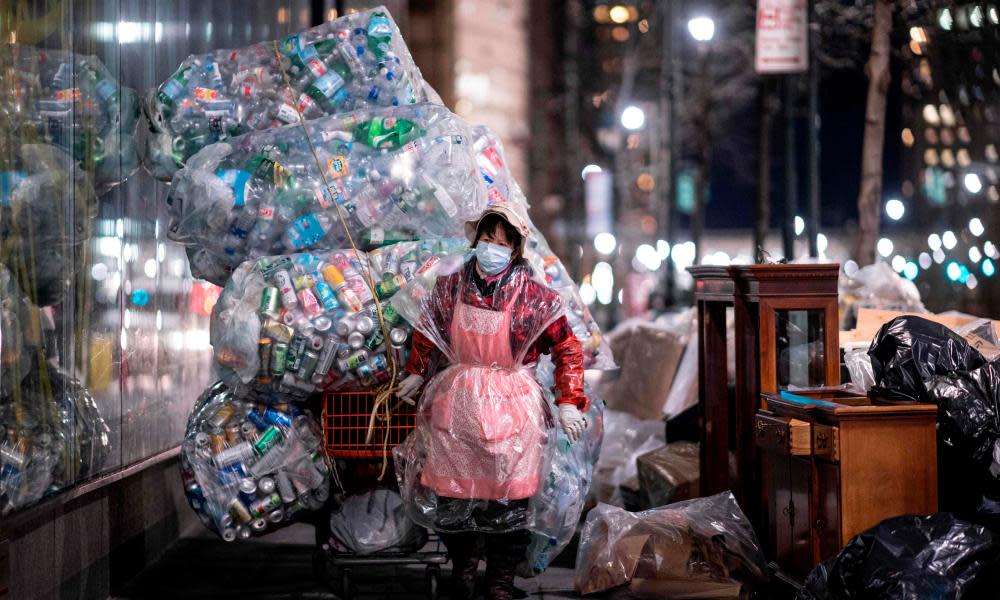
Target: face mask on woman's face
x=492 y=258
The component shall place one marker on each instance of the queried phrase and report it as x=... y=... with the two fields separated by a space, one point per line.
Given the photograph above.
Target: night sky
x=842 y=108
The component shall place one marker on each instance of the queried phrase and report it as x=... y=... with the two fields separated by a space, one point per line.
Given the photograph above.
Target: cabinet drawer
x=783 y=434
x=826 y=442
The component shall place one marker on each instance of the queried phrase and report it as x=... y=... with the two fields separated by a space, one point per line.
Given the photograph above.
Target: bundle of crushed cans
x=288 y=326
x=389 y=174
x=71 y=101
x=355 y=61
x=249 y=468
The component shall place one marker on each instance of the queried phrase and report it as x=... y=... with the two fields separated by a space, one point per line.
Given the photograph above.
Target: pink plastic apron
x=487 y=416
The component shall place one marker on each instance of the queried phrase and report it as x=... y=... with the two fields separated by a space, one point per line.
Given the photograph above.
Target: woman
x=487 y=426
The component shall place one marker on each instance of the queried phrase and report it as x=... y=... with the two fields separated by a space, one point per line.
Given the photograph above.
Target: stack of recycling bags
x=288 y=326
x=389 y=174
x=71 y=101
x=312 y=228
x=353 y=62
x=249 y=468
x=51 y=433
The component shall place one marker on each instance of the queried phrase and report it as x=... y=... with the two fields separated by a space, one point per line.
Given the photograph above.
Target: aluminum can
x=279 y=356
x=285 y=287
x=270 y=302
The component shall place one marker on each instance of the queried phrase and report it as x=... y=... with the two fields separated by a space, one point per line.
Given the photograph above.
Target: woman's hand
x=408 y=389
x=572 y=421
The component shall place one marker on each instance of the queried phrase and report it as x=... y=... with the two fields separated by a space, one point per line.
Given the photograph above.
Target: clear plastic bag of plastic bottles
x=502 y=187
x=71 y=101
x=53 y=436
x=249 y=468
x=342 y=65
x=287 y=326
x=559 y=503
x=47 y=209
x=484 y=437
x=394 y=174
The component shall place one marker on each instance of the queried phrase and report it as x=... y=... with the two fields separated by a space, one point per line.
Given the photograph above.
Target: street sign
x=782 y=36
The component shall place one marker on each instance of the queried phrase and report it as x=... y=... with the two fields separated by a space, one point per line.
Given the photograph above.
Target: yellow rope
x=384 y=392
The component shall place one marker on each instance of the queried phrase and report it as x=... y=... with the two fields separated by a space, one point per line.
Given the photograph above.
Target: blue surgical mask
x=492 y=258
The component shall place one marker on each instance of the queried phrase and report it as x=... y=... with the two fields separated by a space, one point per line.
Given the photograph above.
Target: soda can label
x=284 y=281
x=279 y=332
x=274 y=416
x=309 y=303
x=326 y=357
x=269 y=439
x=428 y=265
x=294 y=360
x=309 y=363
x=269 y=302
x=326 y=296
x=279 y=356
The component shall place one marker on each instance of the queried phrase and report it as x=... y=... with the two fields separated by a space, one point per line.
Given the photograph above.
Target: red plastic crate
x=345 y=425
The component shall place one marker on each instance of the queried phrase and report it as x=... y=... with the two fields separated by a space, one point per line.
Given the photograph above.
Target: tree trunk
x=870 y=196
x=762 y=214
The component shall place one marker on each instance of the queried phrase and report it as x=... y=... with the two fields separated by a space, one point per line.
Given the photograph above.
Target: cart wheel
x=345 y=584
x=319 y=565
x=433 y=581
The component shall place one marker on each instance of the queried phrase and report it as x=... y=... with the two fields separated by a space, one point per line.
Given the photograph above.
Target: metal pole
x=665 y=179
x=812 y=221
x=676 y=134
x=791 y=175
x=762 y=214
x=576 y=215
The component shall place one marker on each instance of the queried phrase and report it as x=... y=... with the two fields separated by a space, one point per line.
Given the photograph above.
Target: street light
x=702 y=29
x=633 y=118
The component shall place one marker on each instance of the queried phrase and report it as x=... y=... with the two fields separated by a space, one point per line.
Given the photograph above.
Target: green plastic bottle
x=387 y=132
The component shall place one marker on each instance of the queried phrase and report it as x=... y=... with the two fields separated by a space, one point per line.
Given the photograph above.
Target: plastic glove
x=408 y=388
x=572 y=421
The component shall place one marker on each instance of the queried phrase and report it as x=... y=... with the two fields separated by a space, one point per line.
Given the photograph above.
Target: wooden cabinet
x=837 y=464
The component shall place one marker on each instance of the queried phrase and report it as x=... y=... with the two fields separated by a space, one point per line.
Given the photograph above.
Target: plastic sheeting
x=483 y=440
x=911 y=558
x=248 y=468
x=876 y=286
x=288 y=326
x=342 y=65
x=73 y=102
x=626 y=438
x=559 y=503
x=374 y=521
x=706 y=539
x=41 y=232
x=649 y=355
x=394 y=174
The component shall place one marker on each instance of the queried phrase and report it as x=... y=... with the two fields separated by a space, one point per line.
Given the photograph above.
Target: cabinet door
x=800 y=476
x=827 y=523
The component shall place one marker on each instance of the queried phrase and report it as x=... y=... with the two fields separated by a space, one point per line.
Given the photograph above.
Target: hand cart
x=345 y=418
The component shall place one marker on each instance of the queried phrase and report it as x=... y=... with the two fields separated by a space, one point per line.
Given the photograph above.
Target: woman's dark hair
x=489 y=223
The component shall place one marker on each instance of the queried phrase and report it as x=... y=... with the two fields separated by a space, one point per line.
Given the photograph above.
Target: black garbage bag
x=936 y=556
x=908 y=352
x=916 y=360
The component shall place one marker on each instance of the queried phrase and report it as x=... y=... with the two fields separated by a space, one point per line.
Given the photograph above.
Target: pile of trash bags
x=917 y=360
x=374 y=521
x=73 y=102
x=705 y=545
x=911 y=558
x=353 y=62
x=316 y=183
x=390 y=175
x=249 y=468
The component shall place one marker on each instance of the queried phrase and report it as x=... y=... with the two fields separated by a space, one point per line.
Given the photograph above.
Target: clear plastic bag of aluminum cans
x=53 y=436
x=287 y=326
x=249 y=468
x=71 y=101
x=47 y=210
x=502 y=187
x=559 y=503
x=484 y=434
x=342 y=65
x=392 y=174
